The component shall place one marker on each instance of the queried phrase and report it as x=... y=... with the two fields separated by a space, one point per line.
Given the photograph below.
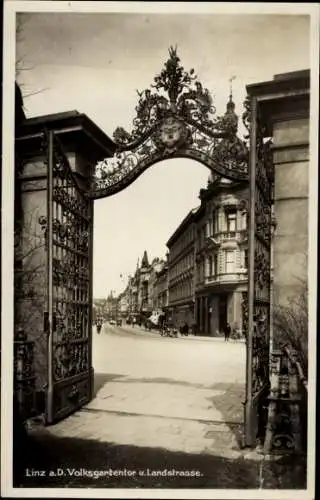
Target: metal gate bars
x=258 y=322
x=68 y=239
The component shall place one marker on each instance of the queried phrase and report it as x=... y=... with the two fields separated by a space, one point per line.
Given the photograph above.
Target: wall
x=31 y=262
x=291 y=160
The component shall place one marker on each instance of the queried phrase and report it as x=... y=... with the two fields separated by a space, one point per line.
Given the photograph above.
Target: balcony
x=224 y=237
x=240 y=276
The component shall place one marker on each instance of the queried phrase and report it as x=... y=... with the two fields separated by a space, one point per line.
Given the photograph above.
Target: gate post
x=278 y=109
x=84 y=145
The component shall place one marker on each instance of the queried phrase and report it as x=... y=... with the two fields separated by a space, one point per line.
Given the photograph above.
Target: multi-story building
x=140 y=291
x=123 y=303
x=112 y=306
x=143 y=285
x=161 y=289
x=181 y=246
x=133 y=285
x=221 y=255
x=208 y=260
x=156 y=266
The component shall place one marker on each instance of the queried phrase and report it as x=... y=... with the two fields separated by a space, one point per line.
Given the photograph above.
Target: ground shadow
x=163 y=380
x=229 y=402
x=69 y=462
x=100 y=379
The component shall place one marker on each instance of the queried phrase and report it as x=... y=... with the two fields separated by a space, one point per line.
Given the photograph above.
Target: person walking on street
x=227 y=332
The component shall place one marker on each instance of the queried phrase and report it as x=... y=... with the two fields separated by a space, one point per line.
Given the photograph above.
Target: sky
x=94 y=63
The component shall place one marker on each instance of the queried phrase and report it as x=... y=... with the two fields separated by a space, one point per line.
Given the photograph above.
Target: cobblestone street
x=167 y=412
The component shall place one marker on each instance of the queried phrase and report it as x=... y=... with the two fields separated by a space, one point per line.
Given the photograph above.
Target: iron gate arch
x=176 y=118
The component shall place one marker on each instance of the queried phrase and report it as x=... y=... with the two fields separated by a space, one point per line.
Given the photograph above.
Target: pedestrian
x=227 y=332
x=185 y=329
x=99 y=325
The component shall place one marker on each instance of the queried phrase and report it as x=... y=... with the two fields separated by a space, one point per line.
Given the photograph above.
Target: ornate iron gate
x=69 y=234
x=260 y=224
x=175 y=118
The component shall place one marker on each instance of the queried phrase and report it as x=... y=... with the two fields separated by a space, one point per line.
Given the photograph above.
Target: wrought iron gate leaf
x=69 y=229
x=258 y=320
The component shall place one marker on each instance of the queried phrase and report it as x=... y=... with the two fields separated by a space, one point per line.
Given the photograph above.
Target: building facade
x=123 y=303
x=221 y=257
x=181 y=260
x=157 y=266
x=141 y=291
x=161 y=289
x=112 y=307
x=208 y=261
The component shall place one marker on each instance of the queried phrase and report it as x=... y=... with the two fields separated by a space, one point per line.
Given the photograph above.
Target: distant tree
x=21 y=58
x=291 y=324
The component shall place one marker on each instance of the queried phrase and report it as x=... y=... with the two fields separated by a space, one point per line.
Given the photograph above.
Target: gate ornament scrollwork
x=67 y=227
x=174 y=118
x=258 y=319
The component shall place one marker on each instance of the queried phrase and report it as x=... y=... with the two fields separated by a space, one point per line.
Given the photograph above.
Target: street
x=180 y=394
x=167 y=412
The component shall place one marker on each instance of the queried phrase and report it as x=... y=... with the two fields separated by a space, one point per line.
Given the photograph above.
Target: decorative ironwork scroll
x=174 y=118
x=260 y=227
x=67 y=228
x=24 y=375
x=287 y=399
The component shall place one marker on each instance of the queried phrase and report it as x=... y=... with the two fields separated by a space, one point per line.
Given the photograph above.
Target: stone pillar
x=214 y=314
x=291 y=160
x=237 y=318
x=209 y=315
x=200 y=315
x=230 y=308
x=206 y=315
x=84 y=145
x=196 y=314
x=284 y=105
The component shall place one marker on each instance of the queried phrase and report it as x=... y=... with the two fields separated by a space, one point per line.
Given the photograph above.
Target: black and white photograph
x=159 y=249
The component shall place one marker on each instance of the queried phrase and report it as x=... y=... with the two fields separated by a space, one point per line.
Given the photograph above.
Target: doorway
x=223 y=312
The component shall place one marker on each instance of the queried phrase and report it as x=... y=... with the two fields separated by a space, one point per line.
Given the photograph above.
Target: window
x=210 y=266
x=216 y=266
x=246 y=259
x=229 y=261
x=214 y=222
x=231 y=221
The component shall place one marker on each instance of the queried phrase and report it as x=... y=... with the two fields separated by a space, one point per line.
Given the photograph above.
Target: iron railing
x=24 y=376
x=288 y=404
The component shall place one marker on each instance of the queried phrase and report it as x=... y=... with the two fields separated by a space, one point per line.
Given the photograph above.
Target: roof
x=71 y=124
x=183 y=225
x=280 y=95
x=281 y=82
x=145 y=261
x=219 y=186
